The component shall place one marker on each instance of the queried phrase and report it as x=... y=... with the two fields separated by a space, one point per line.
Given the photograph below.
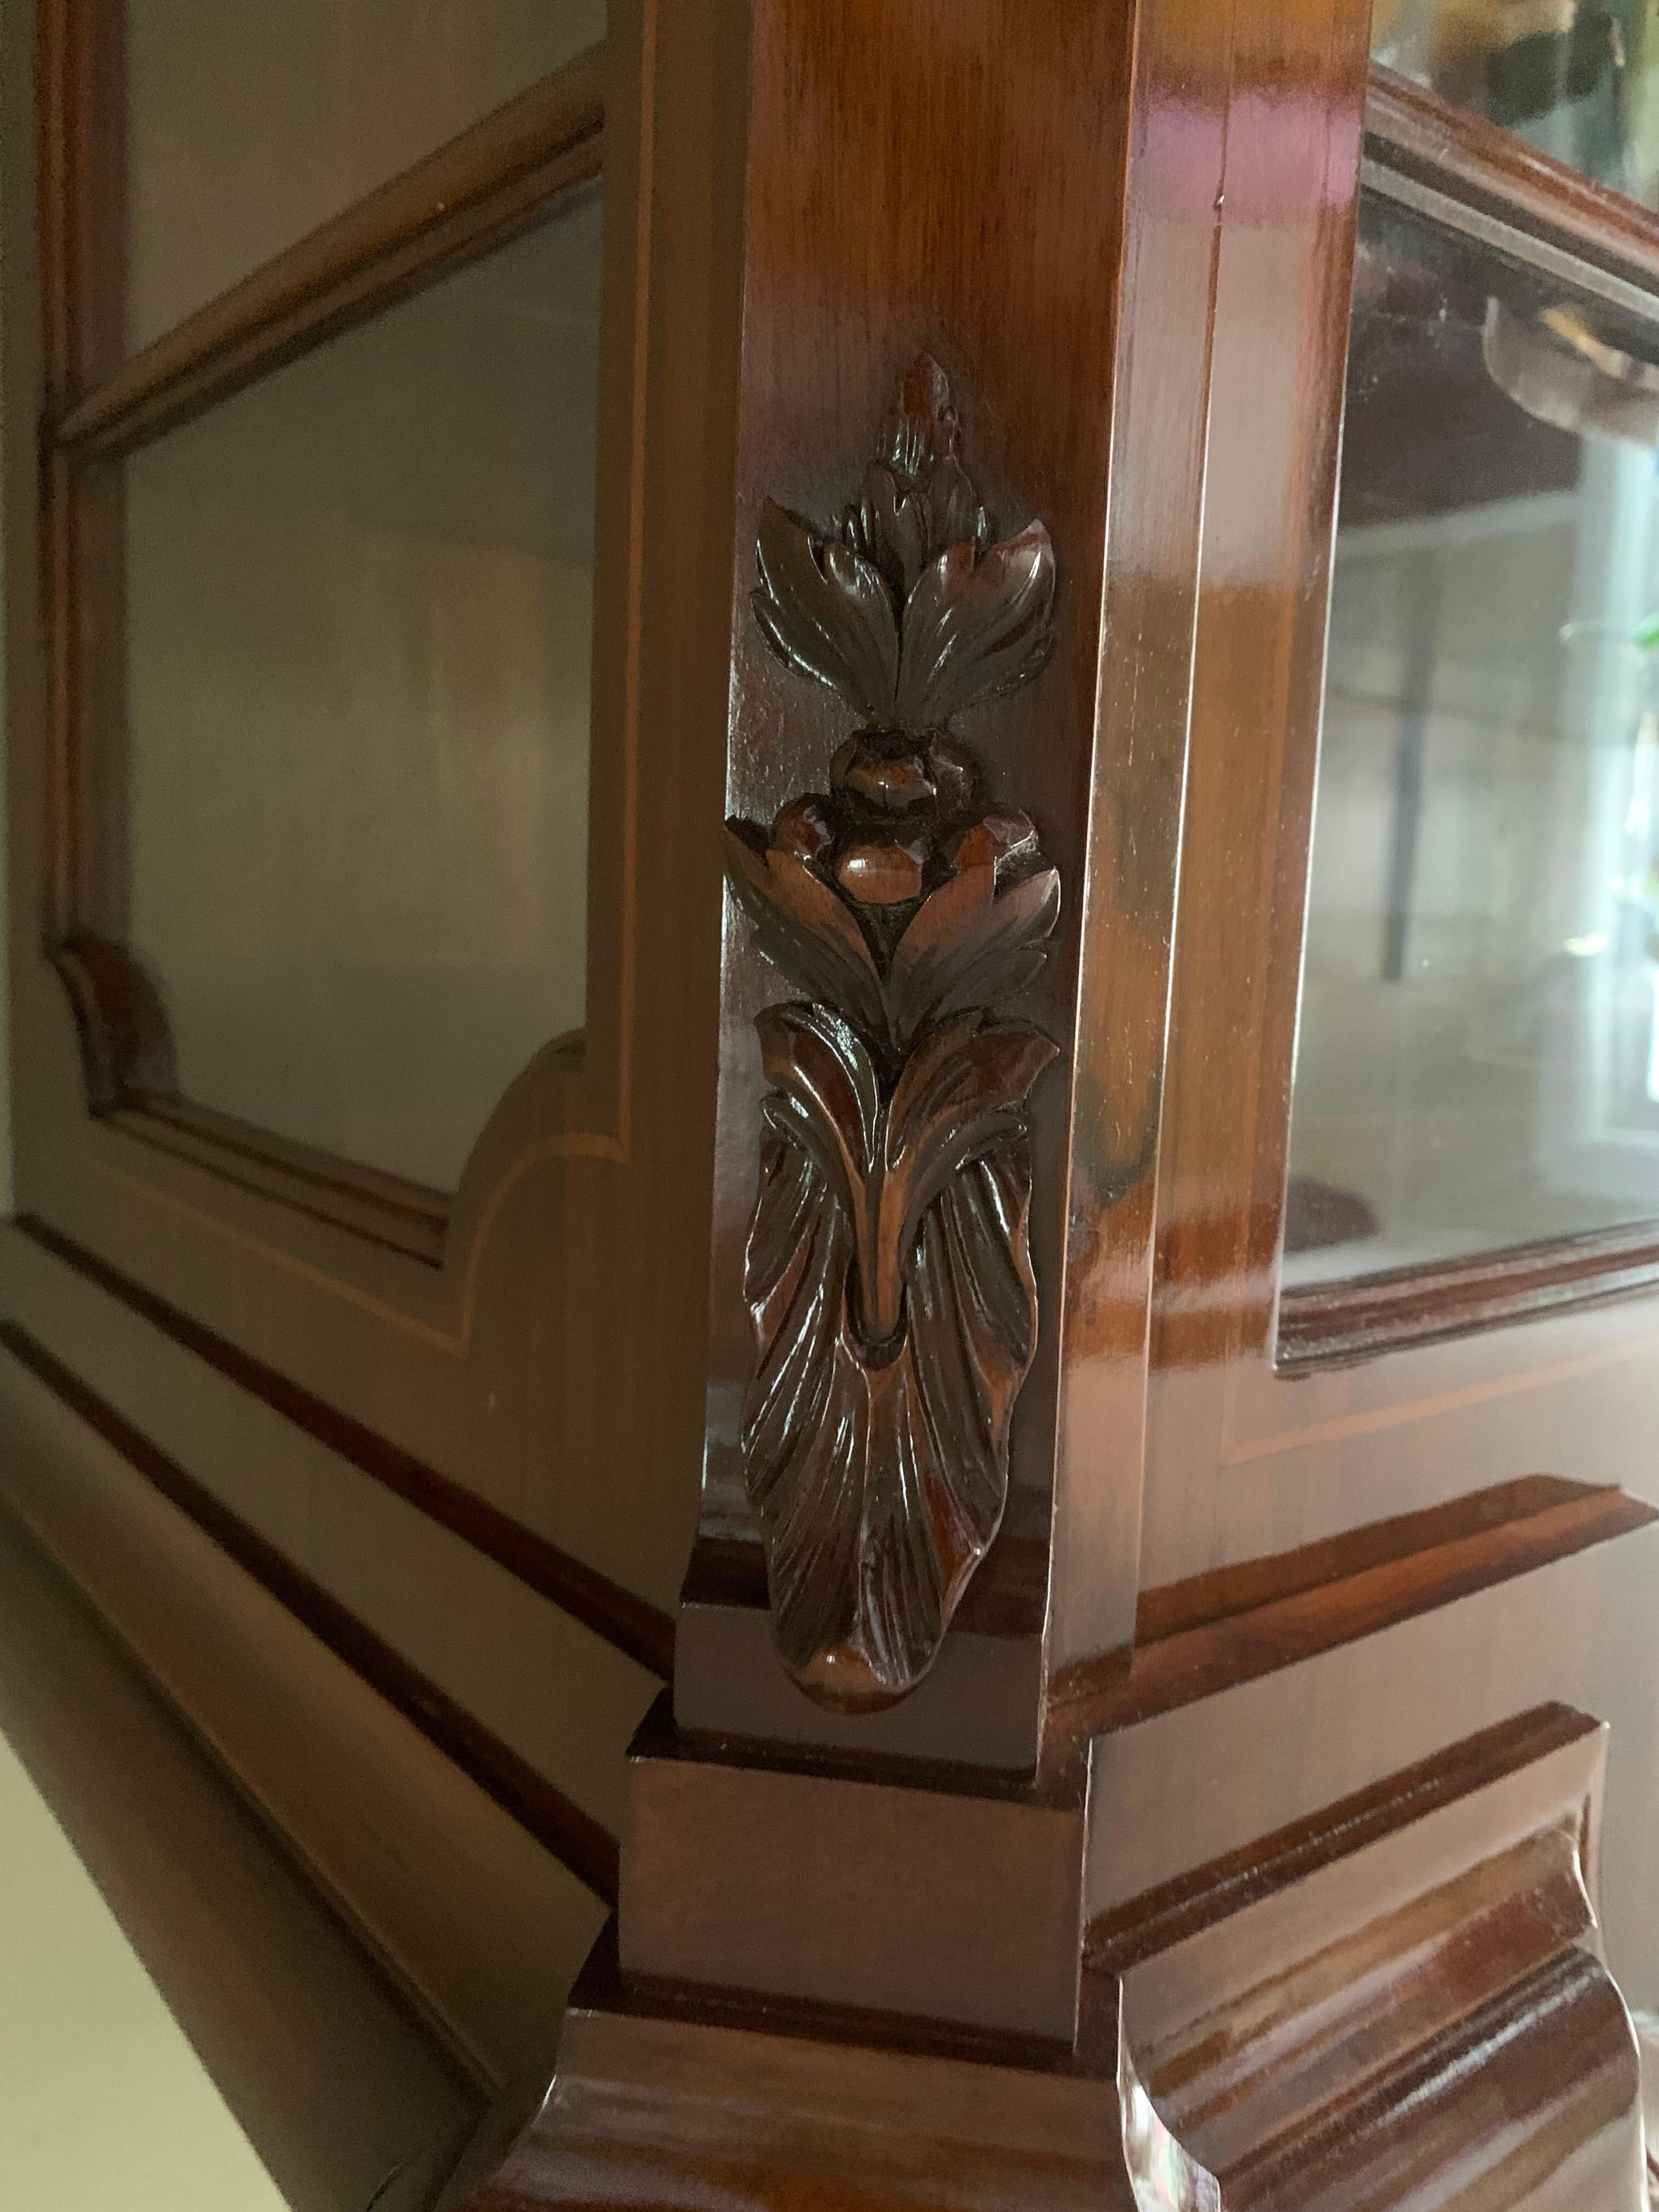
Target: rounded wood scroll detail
x=126 y=1045
x=888 y=1271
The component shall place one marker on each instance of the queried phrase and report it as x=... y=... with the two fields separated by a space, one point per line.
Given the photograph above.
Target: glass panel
x=1477 y=1064
x=359 y=604
x=250 y=122
x=1579 y=79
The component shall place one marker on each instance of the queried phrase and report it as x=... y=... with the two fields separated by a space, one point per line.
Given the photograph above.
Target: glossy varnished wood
x=662 y=2102
x=1401 y=1992
x=911 y=187
x=1319 y=1857
x=1162 y=333
x=634 y=1626
x=1277 y=1421
x=1207 y=1600
x=927 y=1893
x=1282 y=297
x=406 y=1217
x=1406 y=2000
x=1326 y=1323
x=1438 y=1561
x=126 y=1044
x=1416 y=133
x=475 y=1918
x=461 y=200
x=458 y=1349
x=556 y=1821
x=888 y=1268
x=81 y=154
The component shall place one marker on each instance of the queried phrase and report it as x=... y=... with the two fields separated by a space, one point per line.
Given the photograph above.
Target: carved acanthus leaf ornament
x=888 y=1270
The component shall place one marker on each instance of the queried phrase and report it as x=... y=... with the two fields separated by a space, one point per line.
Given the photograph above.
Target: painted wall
x=102 y=2099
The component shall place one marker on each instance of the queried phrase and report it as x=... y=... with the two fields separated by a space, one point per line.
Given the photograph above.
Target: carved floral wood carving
x=888 y=1271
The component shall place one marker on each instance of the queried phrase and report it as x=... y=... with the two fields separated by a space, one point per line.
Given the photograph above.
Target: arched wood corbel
x=126 y=1045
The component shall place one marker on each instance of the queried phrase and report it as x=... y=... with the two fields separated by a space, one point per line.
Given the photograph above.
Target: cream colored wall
x=102 y=2101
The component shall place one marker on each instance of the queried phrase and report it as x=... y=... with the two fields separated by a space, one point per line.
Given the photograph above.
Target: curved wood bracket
x=1404 y=2003
x=126 y=1047
x=888 y=1271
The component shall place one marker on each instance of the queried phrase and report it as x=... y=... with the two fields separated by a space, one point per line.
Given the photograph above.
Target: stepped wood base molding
x=1400 y=2002
x=903 y=1893
x=685 y=2104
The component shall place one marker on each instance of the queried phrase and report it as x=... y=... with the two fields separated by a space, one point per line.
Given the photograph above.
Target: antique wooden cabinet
x=835 y=948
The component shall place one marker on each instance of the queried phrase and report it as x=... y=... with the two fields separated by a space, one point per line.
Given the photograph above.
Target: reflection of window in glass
x=1578 y=79
x=359 y=607
x=1477 y=1056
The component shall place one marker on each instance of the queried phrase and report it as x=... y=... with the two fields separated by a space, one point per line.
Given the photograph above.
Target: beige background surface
x=102 y=2101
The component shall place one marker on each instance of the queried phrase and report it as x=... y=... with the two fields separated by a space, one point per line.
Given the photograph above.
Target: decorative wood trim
x=556 y=1821
x=407 y=1216
x=887 y=1271
x=1331 y=1324
x=1306 y=2037
x=81 y=53
x=1416 y=133
x=458 y=203
x=1191 y=1662
x=55 y=144
x=131 y=1076
x=1115 y=1940
x=81 y=174
x=628 y=1623
x=466 y=197
x=1202 y=1601
x=468 y=1909
x=920 y=1890
x=663 y=2095
x=126 y=1047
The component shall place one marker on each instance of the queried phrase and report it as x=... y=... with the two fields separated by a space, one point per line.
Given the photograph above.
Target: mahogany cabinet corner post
x=1047 y=1809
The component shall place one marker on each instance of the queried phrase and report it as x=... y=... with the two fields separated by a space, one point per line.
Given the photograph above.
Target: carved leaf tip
x=827 y=611
x=977 y=625
x=911 y=613
x=923 y=428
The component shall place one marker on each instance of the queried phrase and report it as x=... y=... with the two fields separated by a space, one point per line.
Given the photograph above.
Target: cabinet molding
x=1295 y=2026
x=558 y=1823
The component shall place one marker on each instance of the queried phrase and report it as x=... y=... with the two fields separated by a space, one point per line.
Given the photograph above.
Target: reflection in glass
x=1578 y=79
x=250 y=122
x=359 y=608
x=1477 y=1064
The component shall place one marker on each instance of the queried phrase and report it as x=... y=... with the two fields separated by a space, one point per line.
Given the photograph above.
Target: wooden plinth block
x=934 y=1896
x=698 y=2104
x=1401 y=2004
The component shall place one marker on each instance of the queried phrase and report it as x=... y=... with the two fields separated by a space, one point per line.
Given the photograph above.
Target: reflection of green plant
x=1645 y=635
